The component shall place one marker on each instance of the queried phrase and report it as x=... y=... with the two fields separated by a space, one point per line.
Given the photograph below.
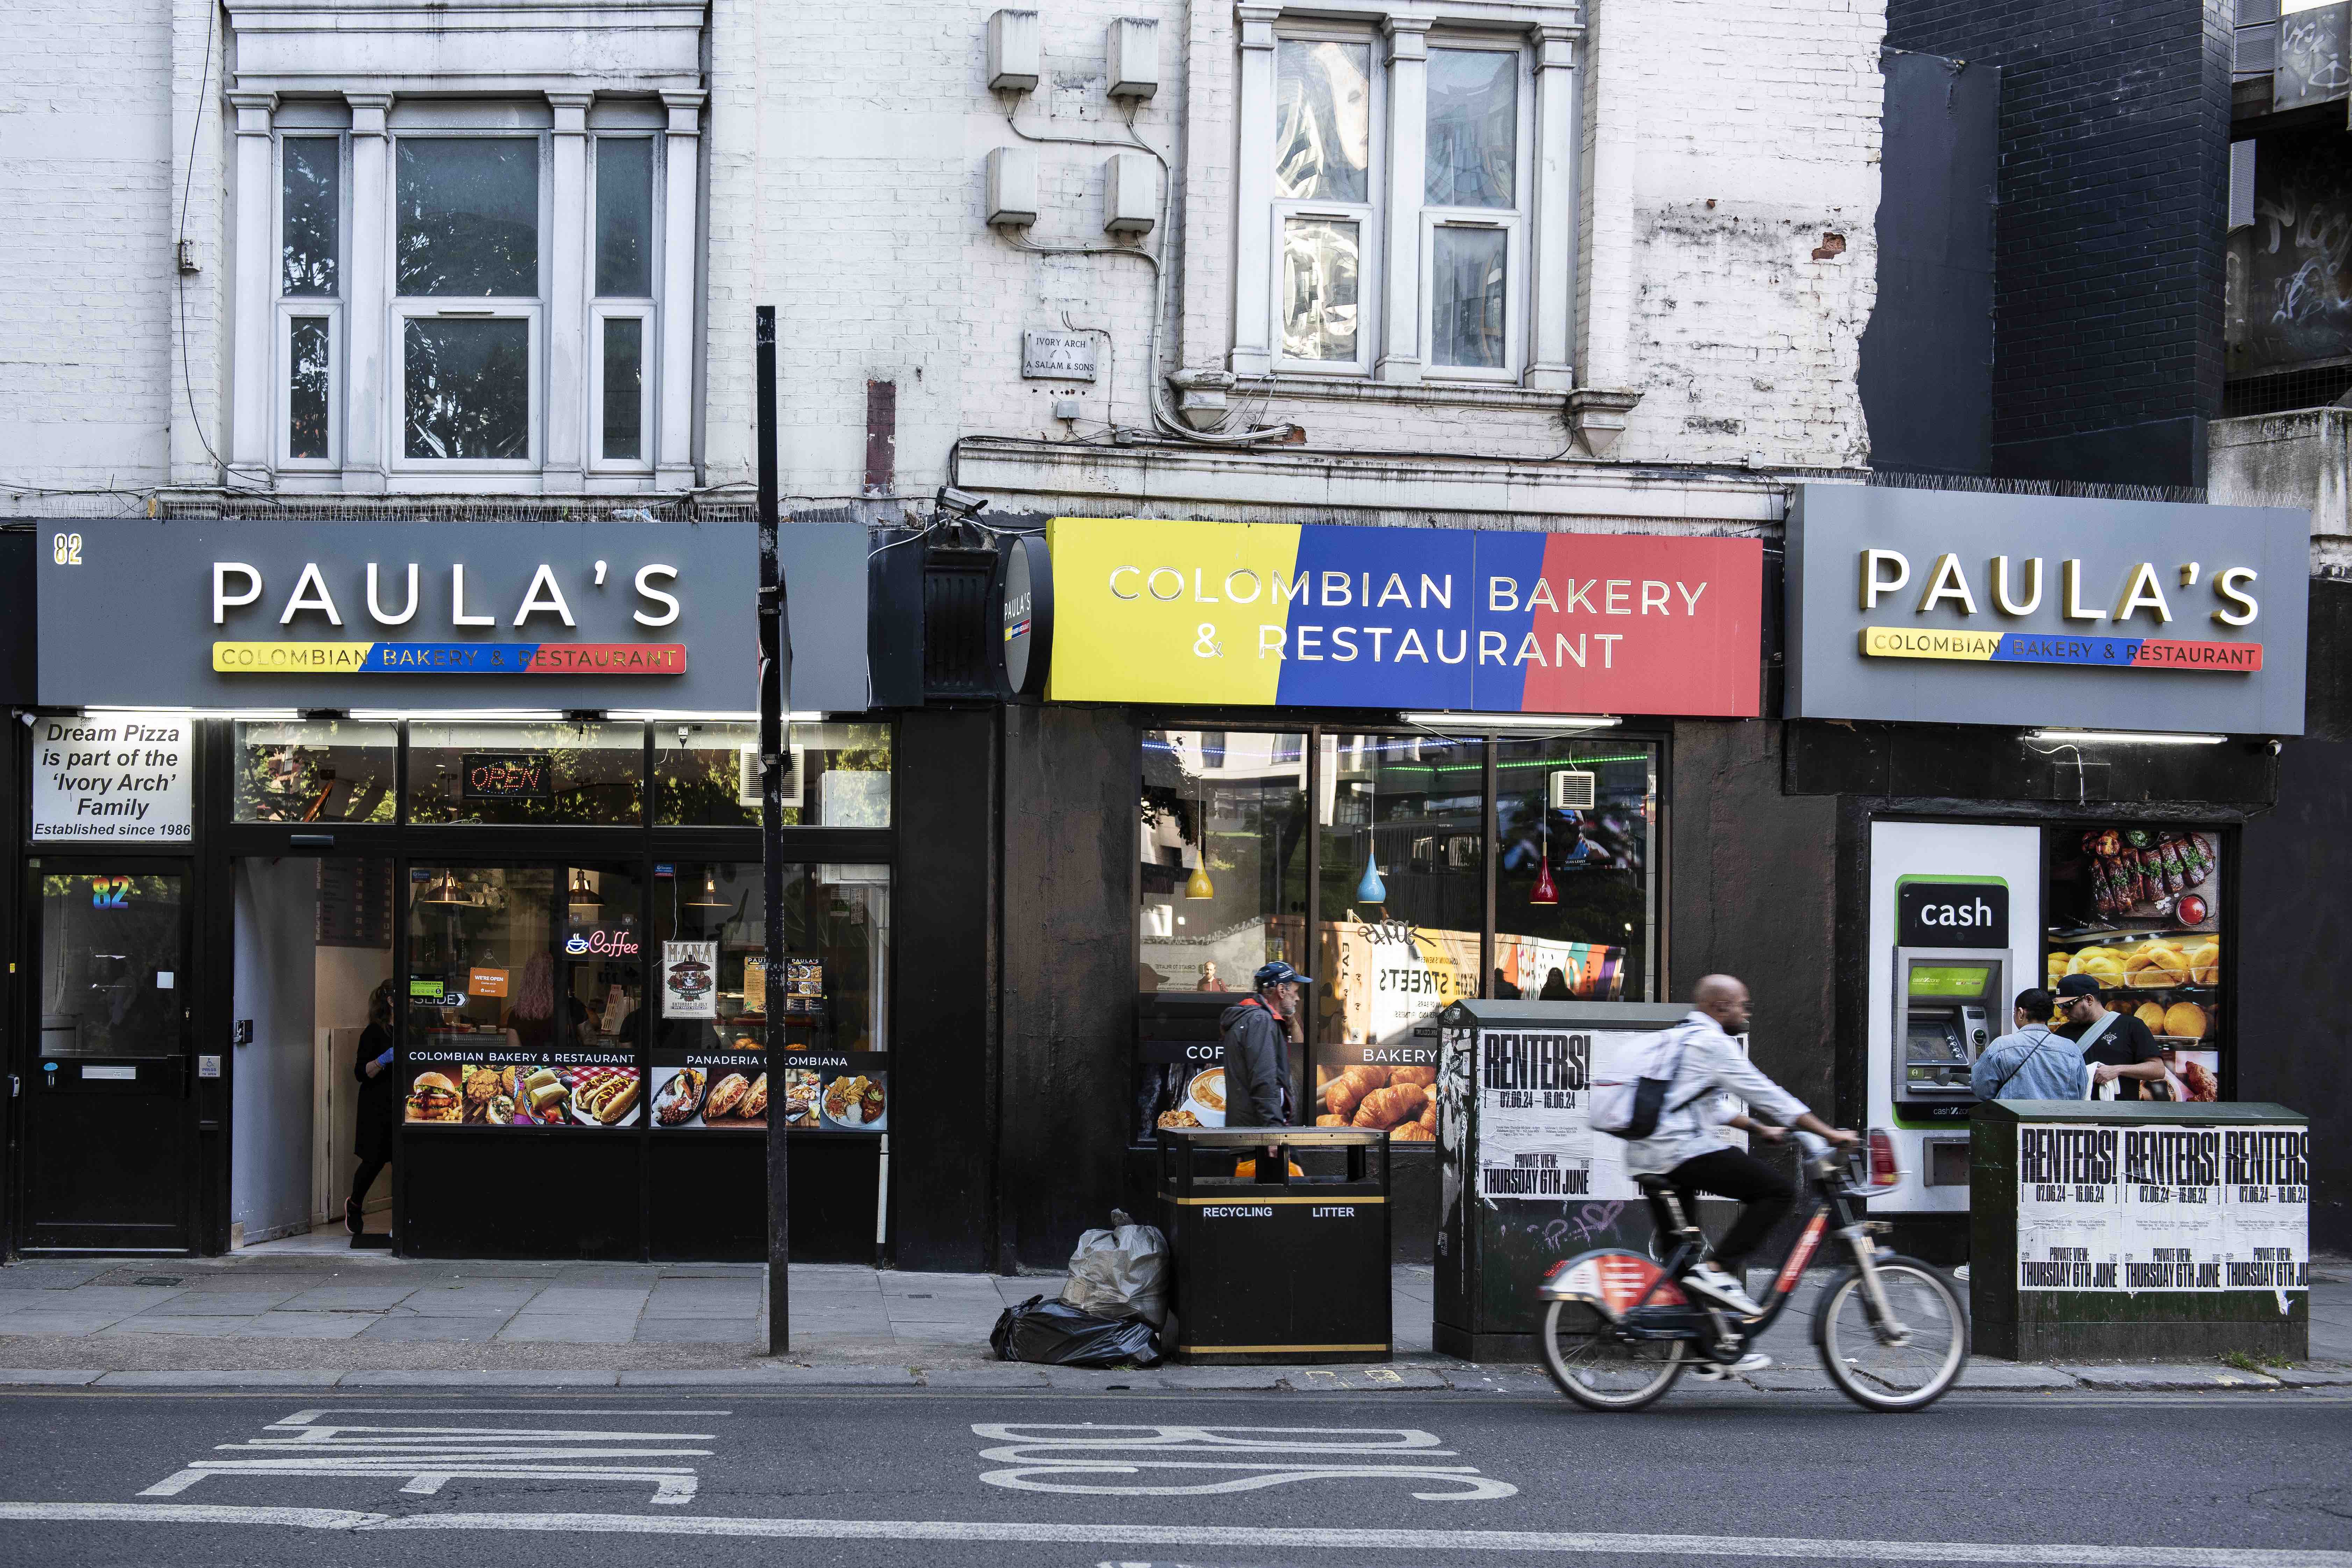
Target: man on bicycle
x=1711 y=1075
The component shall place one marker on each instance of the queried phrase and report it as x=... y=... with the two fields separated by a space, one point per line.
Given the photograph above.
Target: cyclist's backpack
x=1628 y=1104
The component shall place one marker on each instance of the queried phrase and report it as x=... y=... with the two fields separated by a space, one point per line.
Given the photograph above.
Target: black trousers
x=364 y=1178
x=1765 y=1194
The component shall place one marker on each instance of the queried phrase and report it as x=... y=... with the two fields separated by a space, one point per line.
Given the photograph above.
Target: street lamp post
x=775 y=704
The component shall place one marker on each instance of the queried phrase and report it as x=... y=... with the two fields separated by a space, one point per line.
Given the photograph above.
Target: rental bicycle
x=1891 y=1331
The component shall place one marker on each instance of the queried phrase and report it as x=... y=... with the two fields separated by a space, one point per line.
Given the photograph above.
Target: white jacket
x=1713 y=1076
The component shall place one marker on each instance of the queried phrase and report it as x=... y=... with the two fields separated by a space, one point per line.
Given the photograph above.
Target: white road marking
x=427 y=1458
x=966 y=1532
x=1050 y=1457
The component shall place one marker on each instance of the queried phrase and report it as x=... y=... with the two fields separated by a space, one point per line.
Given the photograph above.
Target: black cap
x=2078 y=986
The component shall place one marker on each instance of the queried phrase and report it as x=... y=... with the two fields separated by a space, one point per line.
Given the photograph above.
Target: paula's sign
x=1931 y=605
x=502 y=614
x=1334 y=615
x=1952 y=914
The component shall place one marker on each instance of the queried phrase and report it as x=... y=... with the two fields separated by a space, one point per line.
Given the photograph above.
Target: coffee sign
x=1936 y=605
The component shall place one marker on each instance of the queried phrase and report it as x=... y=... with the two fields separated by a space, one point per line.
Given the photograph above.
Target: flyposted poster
x=2163 y=1208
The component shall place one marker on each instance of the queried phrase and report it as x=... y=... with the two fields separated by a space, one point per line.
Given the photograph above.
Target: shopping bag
x=1057 y=1334
x=1120 y=1272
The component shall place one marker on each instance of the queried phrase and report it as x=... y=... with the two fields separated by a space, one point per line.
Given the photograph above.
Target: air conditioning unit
x=1572 y=790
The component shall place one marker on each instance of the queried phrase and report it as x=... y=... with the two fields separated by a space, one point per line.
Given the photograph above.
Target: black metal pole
x=775 y=705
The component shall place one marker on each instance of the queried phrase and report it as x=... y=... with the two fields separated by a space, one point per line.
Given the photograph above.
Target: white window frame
x=1512 y=220
x=1366 y=215
x=646 y=307
x=404 y=308
x=288 y=306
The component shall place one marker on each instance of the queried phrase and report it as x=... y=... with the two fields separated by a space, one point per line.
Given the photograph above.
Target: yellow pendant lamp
x=1197 y=885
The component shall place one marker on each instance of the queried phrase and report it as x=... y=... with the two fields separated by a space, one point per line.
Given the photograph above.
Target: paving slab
x=1507 y=1379
x=69 y=1325
x=205 y=1327
x=255 y=1379
x=732 y=1305
x=569 y=1330
x=719 y=1379
x=121 y=1299
x=219 y=1303
x=2166 y=1377
x=40 y=1377
x=1001 y=1374
x=1358 y=1379
x=444 y=1331
x=1251 y=1378
x=467 y=1300
x=1986 y=1374
x=352 y=1298
x=838 y=1376
x=700 y=1332
x=309 y=1325
x=1100 y=1379
x=2313 y=1376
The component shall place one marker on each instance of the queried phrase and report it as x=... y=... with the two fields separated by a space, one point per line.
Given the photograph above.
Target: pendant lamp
x=1544 y=892
x=1370 y=889
x=583 y=898
x=1197 y=885
x=446 y=891
x=708 y=898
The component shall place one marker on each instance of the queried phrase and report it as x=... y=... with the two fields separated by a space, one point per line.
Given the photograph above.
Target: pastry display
x=1181 y=1118
x=2155 y=964
x=433 y=1097
x=2183 y=1021
x=2205 y=963
x=1390 y=1106
x=726 y=1097
x=1412 y=1132
x=1422 y=1076
x=2151 y=1014
x=680 y=1097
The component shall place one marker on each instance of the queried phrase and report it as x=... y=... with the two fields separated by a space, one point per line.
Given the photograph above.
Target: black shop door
x=108 y=1117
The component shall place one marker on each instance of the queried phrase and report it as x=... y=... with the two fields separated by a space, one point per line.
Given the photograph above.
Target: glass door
x=111 y=1069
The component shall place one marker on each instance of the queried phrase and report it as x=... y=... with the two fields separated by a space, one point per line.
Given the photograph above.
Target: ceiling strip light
x=2121 y=738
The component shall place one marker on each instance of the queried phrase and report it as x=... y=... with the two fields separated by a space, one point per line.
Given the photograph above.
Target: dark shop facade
x=1419 y=763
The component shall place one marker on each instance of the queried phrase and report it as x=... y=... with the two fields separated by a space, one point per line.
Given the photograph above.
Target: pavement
x=990 y=1477
x=316 y=1314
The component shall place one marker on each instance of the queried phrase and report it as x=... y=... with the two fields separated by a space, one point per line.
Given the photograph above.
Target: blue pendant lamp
x=1370 y=889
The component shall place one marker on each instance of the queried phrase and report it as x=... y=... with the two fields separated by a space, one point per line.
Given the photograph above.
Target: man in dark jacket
x=1257 y=1034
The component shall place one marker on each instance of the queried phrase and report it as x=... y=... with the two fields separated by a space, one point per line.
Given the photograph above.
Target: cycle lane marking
x=1189 y=1459
x=988 y=1532
x=328 y=1442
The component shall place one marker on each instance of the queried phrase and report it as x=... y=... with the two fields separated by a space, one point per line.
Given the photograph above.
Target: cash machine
x=1946 y=1010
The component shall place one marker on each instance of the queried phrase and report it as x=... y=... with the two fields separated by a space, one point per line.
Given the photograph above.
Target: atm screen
x=1949 y=979
x=1933 y=1039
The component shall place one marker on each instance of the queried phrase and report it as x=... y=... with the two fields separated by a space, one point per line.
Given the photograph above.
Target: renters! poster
x=2163 y=1208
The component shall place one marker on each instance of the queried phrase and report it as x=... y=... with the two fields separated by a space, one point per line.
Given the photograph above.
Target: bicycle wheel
x=1876 y=1370
x=1598 y=1370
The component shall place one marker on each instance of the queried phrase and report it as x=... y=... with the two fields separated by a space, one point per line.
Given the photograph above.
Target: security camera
x=961 y=502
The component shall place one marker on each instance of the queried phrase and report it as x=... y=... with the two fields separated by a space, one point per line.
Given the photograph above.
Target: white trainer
x=1715 y=1372
x=1723 y=1289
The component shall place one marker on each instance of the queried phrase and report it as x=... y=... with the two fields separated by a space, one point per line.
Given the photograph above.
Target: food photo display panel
x=524 y=989
x=711 y=1062
x=2138 y=909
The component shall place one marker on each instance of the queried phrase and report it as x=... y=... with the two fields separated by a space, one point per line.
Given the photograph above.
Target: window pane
x=469 y=217
x=1323 y=121
x=1403 y=902
x=625 y=217
x=312 y=215
x=624 y=408
x=525 y=991
x=1223 y=841
x=708 y=775
x=310 y=366
x=1595 y=937
x=110 y=965
x=469 y=391
x=331 y=770
x=507 y=772
x=1466 y=297
x=1473 y=127
x=1318 y=289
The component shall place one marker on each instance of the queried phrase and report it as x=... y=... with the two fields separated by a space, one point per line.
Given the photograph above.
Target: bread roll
x=2151 y=1014
x=2107 y=969
x=2184 y=1021
x=2205 y=964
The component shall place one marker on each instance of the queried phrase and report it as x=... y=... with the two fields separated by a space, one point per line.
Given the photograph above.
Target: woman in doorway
x=379 y=1109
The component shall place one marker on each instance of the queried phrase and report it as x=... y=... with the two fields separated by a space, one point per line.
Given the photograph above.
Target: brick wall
x=2114 y=175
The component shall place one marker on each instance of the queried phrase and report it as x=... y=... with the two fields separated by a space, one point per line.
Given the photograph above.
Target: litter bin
x=1275 y=1267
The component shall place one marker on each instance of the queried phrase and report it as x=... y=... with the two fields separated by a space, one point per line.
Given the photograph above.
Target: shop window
x=711 y=1069
x=2138 y=909
x=1402 y=876
x=110 y=950
x=708 y=775
x=523 y=989
x=526 y=772
x=317 y=770
x=1575 y=877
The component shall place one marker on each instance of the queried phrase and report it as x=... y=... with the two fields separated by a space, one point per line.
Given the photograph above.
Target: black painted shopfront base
x=2152 y=1326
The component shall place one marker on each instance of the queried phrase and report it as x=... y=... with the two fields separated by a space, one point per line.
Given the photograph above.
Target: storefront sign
x=1332 y=616
x=1024 y=604
x=1971 y=912
x=1948 y=606
x=506 y=775
x=1057 y=356
x=2136 y=1208
x=602 y=941
x=1535 y=1126
x=116 y=778
x=381 y=615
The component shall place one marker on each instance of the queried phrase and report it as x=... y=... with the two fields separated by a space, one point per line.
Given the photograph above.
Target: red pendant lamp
x=1544 y=892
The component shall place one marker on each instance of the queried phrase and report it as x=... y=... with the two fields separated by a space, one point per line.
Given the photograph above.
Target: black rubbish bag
x=1059 y=1334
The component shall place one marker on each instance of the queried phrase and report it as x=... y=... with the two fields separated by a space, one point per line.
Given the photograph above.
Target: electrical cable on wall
x=179 y=248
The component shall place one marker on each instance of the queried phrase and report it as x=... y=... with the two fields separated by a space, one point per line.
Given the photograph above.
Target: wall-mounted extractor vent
x=1572 y=790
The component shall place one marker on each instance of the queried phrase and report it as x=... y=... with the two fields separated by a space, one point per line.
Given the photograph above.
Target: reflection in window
x=1575 y=885
x=110 y=965
x=624 y=388
x=316 y=770
x=1474 y=127
x=506 y=772
x=625 y=217
x=469 y=217
x=1467 y=298
x=1403 y=883
x=708 y=775
x=1319 y=280
x=469 y=388
x=1323 y=121
x=310 y=214
x=309 y=342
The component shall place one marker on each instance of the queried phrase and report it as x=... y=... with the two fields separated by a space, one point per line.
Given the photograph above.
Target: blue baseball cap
x=1277 y=972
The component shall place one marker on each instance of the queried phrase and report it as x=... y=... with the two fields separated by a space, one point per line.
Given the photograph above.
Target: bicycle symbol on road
x=1192 y=1461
